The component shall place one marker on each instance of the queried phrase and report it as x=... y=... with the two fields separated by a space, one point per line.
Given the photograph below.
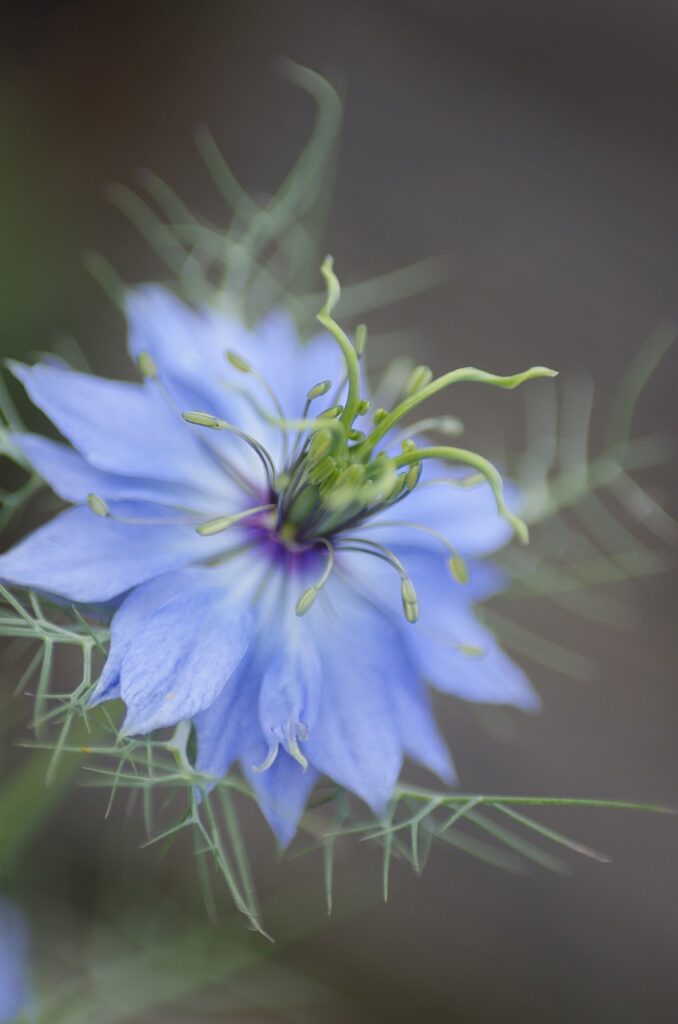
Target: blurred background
x=535 y=145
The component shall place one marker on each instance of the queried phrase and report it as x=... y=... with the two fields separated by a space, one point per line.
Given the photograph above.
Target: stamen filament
x=213 y=526
x=206 y=419
x=456 y=563
x=408 y=593
x=99 y=507
x=236 y=360
x=310 y=594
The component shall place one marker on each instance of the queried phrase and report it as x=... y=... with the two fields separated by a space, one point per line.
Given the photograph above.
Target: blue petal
x=73 y=479
x=454 y=651
x=189 y=349
x=120 y=427
x=230 y=724
x=282 y=791
x=469 y=663
x=82 y=557
x=466 y=517
x=290 y=688
x=448 y=646
x=185 y=655
x=356 y=739
x=418 y=731
x=129 y=621
x=229 y=730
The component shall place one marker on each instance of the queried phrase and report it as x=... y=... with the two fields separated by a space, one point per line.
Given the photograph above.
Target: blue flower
x=284 y=578
x=14 y=956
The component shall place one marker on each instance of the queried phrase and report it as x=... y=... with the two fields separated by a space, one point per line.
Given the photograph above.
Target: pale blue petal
x=229 y=731
x=466 y=517
x=185 y=655
x=73 y=479
x=82 y=557
x=469 y=663
x=446 y=629
x=418 y=731
x=188 y=348
x=290 y=688
x=118 y=426
x=356 y=739
x=230 y=723
x=454 y=651
x=282 y=791
x=129 y=620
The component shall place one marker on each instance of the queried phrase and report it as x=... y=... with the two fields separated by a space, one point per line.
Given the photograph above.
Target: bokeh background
x=534 y=144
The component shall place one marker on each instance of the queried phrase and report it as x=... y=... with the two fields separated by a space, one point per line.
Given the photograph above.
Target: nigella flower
x=286 y=579
x=14 y=956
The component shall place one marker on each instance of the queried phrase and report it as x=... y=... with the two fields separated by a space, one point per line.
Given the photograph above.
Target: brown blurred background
x=536 y=144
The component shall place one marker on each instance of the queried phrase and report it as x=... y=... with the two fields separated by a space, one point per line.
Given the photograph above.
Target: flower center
x=335 y=476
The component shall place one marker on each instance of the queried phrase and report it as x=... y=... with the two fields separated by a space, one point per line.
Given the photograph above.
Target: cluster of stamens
x=334 y=476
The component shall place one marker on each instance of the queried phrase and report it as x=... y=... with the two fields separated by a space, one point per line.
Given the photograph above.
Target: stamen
x=146 y=364
x=410 y=602
x=310 y=594
x=318 y=390
x=213 y=526
x=99 y=507
x=407 y=591
x=241 y=364
x=332 y=413
x=455 y=563
x=205 y=419
x=418 y=379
